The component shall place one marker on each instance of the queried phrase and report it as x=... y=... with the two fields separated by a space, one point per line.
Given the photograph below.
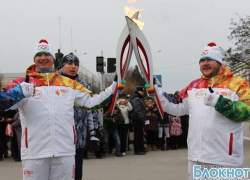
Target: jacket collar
x=31 y=71
x=226 y=74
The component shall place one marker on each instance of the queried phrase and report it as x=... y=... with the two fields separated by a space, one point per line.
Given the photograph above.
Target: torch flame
x=130 y=11
x=132 y=1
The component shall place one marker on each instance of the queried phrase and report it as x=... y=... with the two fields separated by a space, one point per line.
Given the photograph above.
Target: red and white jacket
x=47 y=119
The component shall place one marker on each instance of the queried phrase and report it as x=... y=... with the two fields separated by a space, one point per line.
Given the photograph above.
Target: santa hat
x=213 y=52
x=44 y=47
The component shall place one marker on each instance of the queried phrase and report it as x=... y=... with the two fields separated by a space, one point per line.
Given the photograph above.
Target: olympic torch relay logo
x=202 y=172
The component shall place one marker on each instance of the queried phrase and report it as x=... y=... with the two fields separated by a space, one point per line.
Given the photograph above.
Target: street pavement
x=155 y=165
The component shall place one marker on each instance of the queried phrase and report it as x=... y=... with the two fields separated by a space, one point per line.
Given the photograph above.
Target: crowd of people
x=53 y=118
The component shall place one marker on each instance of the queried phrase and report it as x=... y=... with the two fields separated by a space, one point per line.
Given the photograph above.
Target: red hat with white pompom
x=213 y=52
x=44 y=47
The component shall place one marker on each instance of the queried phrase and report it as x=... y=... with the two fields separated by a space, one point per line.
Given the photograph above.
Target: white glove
x=210 y=99
x=28 y=89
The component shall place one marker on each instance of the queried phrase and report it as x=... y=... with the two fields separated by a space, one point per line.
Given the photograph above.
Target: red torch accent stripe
x=231 y=144
x=146 y=58
x=123 y=68
x=113 y=100
x=26 y=137
x=74 y=132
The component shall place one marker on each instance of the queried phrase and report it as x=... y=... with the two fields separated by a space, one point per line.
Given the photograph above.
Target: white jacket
x=212 y=137
x=47 y=118
x=125 y=110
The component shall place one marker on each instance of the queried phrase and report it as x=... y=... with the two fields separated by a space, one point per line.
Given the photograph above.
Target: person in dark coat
x=151 y=124
x=138 y=119
x=16 y=125
x=110 y=124
x=2 y=135
x=6 y=117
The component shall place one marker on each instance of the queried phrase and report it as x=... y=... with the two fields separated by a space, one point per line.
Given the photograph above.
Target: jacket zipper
x=52 y=119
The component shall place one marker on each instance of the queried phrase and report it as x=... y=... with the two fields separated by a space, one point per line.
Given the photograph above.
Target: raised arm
x=172 y=106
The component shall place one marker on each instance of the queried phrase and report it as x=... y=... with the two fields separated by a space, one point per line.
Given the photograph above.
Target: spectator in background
x=151 y=124
x=125 y=107
x=175 y=131
x=16 y=125
x=2 y=134
x=138 y=119
x=111 y=123
x=164 y=130
x=7 y=117
x=184 y=127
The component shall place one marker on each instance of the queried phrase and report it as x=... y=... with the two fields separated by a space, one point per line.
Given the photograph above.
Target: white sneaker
x=124 y=154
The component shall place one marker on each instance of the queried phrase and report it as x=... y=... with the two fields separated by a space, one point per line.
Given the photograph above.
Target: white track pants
x=57 y=168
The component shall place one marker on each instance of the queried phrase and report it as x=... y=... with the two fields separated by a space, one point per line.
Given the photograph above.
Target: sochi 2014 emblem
x=200 y=94
x=38 y=94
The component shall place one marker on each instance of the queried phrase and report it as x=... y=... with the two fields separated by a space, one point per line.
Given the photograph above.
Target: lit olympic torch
x=132 y=39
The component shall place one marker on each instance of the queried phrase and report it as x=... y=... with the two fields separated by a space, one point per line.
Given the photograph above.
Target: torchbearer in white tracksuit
x=216 y=116
x=45 y=101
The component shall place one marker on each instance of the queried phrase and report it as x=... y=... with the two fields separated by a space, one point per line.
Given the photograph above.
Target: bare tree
x=240 y=35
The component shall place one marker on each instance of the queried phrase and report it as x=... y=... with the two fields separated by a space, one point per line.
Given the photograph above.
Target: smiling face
x=210 y=68
x=44 y=61
x=70 y=69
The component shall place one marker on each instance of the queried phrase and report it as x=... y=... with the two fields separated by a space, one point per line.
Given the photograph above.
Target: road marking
x=246 y=138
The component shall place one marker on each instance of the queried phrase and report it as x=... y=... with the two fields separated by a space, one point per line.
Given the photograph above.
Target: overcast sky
x=178 y=28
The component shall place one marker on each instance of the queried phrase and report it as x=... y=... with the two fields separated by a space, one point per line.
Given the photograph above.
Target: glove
x=94 y=141
x=150 y=90
x=28 y=89
x=210 y=98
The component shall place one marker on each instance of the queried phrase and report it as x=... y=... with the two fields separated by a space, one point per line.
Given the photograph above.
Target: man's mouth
x=205 y=69
x=43 y=62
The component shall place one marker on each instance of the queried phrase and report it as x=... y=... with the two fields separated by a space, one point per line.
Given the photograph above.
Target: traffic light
x=111 y=65
x=100 y=64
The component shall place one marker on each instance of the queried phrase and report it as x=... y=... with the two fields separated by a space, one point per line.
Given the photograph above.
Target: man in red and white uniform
x=45 y=102
x=216 y=116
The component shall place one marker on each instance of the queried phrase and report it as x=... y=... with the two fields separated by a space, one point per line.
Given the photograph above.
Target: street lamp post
x=81 y=55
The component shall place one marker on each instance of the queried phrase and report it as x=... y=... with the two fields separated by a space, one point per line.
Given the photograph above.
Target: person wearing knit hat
x=70 y=66
x=211 y=60
x=84 y=120
x=212 y=52
x=44 y=47
x=138 y=119
x=70 y=58
x=44 y=57
x=140 y=88
x=217 y=105
x=46 y=101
